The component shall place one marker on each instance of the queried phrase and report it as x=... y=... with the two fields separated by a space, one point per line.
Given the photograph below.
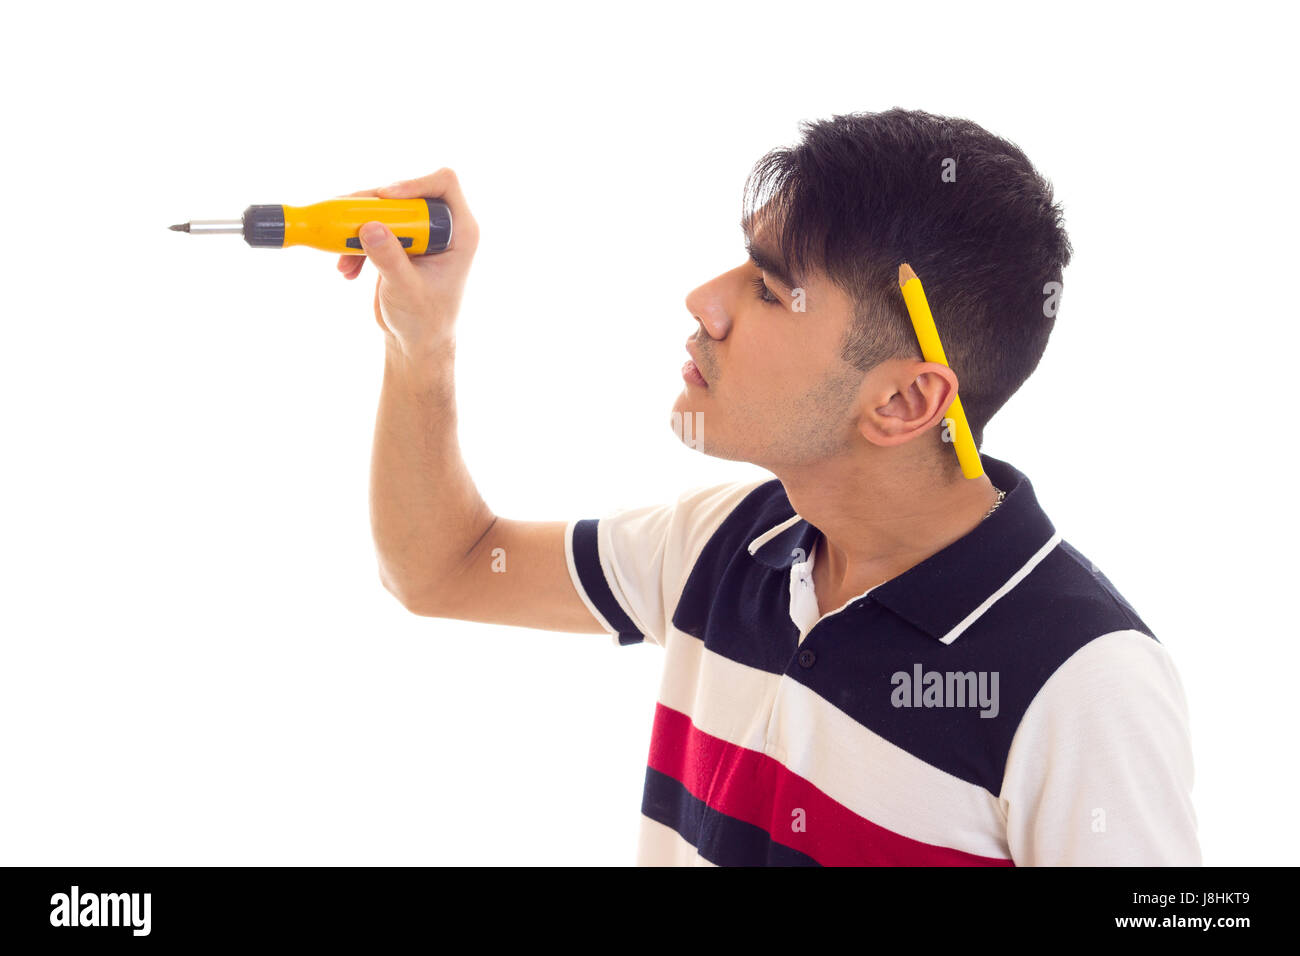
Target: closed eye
x=762 y=292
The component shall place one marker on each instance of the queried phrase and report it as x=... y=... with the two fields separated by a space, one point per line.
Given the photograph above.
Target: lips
x=695 y=359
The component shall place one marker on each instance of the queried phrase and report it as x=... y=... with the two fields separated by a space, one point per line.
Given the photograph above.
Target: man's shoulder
x=751 y=493
x=727 y=516
x=746 y=515
x=1068 y=599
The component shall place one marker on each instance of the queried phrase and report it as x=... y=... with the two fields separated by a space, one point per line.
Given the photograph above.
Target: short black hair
x=862 y=193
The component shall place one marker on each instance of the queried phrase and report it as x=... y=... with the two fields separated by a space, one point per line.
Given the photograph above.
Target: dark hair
x=862 y=193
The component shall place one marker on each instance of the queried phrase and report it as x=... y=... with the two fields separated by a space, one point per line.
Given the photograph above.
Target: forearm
x=425 y=513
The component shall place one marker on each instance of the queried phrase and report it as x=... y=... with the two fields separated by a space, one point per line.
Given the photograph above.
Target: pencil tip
x=905 y=274
x=180 y=227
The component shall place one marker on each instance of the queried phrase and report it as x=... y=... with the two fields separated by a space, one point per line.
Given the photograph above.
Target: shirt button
x=807 y=658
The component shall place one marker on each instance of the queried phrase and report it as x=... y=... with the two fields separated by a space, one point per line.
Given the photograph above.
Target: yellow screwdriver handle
x=423 y=226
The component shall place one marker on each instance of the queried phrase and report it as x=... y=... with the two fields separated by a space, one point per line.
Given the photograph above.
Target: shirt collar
x=948 y=591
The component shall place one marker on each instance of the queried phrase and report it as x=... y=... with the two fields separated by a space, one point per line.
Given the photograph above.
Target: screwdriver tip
x=180 y=227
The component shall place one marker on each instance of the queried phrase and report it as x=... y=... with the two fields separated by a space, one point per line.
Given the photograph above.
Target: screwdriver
x=423 y=226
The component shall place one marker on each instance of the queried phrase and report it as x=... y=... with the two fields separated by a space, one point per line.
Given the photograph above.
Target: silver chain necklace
x=1001 y=495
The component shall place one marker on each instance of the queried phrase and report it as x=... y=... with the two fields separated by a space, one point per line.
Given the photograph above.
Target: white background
x=200 y=665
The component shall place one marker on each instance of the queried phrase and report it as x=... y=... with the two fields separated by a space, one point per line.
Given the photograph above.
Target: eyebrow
x=770 y=263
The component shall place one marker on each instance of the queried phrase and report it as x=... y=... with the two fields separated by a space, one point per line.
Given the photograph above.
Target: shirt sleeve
x=1100 y=770
x=630 y=567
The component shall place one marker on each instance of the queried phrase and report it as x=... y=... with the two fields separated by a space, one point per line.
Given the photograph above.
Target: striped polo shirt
x=1000 y=703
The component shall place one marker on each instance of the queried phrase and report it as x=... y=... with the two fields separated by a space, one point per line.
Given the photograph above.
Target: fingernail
x=373 y=232
x=396 y=185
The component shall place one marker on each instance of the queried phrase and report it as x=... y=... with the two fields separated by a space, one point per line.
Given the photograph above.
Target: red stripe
x=753 y=787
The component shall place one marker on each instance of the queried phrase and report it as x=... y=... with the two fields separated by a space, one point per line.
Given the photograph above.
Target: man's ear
x=904 y=399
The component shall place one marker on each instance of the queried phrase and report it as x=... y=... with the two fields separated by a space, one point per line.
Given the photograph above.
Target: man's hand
x=417 y=298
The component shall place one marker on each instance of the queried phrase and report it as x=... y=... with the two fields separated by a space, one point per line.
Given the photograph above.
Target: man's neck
x=878 y=519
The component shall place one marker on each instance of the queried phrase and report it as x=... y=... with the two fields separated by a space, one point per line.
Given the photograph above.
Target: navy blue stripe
x=720 y=839
x=586 y=558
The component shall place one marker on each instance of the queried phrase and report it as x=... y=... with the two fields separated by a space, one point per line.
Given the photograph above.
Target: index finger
x=351 y=265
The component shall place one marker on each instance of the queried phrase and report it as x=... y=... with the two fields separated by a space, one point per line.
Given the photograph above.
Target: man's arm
x=441 y=550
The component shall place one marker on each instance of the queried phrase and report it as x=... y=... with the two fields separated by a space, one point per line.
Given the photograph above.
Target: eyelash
x=762 y=292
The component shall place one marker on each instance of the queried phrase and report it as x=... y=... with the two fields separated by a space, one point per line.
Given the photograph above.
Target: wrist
x=421 y=355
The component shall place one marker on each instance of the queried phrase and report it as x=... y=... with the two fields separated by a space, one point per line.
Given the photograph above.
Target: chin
x=687 y=401
x=688 y=421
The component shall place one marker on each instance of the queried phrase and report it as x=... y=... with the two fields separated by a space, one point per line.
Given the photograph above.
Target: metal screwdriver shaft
x=209 y=226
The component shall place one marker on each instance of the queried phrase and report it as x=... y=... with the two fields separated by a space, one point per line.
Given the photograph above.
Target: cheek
x=773 y=363
x=780 y=365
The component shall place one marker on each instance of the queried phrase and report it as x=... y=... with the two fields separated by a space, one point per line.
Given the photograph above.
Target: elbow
x=416 y=600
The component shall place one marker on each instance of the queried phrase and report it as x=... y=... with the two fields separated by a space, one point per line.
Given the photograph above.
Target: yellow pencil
x=923 y=322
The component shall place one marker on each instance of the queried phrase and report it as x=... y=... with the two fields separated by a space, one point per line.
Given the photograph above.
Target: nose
x=708 y=306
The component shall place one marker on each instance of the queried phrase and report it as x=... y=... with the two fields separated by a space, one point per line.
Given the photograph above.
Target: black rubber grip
x=439 y=226
x=264 y=226
x=355 y=242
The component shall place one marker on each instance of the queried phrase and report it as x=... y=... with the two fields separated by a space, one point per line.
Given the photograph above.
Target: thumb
x=383 y=249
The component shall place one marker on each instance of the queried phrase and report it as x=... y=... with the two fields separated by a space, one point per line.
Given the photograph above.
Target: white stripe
x=1016 y=578
x=880 y=781
x=874 y=778
x=767 y=536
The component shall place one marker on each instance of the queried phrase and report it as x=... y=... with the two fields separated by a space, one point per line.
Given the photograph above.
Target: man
x=869 y=658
